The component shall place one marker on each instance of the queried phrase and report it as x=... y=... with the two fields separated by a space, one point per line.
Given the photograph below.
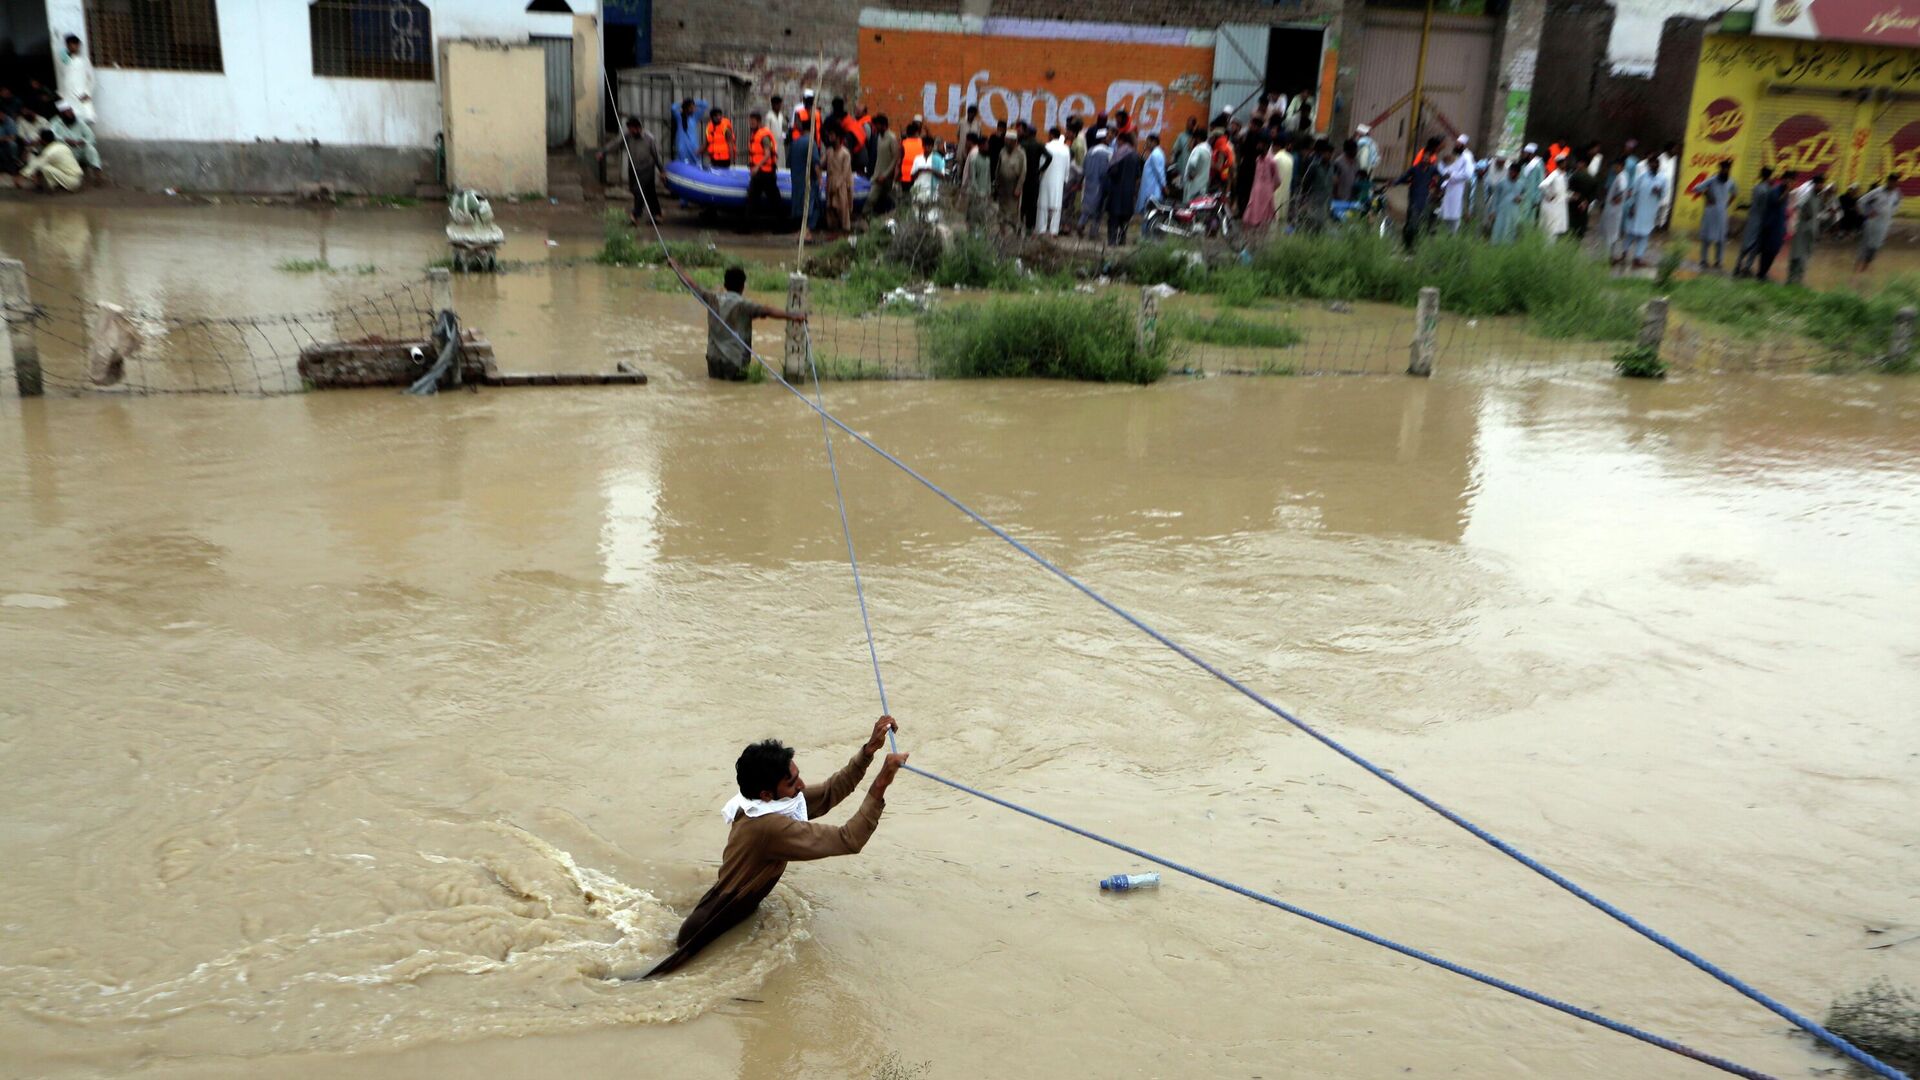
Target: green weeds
x=1047 y=337
x=1230 y=330
x=1640 y=362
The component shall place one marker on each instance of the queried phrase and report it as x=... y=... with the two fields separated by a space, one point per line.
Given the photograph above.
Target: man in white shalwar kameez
x=1053 y=185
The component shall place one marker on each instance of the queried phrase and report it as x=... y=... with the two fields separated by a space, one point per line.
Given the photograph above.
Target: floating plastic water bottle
x=1129 y=882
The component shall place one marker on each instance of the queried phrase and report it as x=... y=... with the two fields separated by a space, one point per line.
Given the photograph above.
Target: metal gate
x=1459 y=53
x=1893 y=147
x=1802 y=132
x=559 y=52
x=1239 y=68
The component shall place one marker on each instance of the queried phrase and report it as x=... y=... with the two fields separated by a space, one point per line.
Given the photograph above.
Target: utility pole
x=1419 y=88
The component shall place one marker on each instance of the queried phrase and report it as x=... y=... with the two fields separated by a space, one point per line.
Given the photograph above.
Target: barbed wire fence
x=89 y=346
x=1332 y=338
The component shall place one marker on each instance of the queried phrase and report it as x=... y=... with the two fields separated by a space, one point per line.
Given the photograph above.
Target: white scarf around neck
x=795 y=808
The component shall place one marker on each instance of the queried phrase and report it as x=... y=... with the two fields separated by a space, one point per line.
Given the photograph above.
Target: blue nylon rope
x=1459 y=969
x=859 y=591
x=1496 y=982
x=1834 y=1041
x=1588 y=1015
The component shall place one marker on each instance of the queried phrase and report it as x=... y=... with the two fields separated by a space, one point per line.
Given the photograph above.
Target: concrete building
x=1598 y=94
x=267 y=95
x=1361 y=56
x=1806 y=90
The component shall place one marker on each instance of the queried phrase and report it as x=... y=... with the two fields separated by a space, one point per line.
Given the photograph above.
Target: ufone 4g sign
x=1038 y=70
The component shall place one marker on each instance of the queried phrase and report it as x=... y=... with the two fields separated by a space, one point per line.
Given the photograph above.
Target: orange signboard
x=1039 y=70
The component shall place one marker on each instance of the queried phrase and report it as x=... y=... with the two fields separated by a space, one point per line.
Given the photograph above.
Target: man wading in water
x=770 y=823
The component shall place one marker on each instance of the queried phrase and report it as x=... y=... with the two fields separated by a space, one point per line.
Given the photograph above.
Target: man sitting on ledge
x=52 y=168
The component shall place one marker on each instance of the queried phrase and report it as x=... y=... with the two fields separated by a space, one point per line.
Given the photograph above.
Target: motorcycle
x=1371 y=212
x=1206 y=216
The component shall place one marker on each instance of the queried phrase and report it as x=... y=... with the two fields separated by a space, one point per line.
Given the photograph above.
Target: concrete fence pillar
x=9 y=386
x=440 y=280
x=1902 y=344
x=1426 y=332
x=440 y=283
x=1653 y=324
x=794 y=364
x=22 y=375
x=1146 y=328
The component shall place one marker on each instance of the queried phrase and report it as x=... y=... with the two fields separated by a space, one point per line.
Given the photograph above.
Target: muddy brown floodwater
x=354 y=735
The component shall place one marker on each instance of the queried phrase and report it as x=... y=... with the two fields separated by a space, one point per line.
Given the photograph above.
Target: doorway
x=1293 y=60
x=26 y=47
x=559 y=52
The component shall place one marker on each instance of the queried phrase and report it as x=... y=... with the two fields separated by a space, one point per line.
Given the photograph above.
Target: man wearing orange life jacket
x=719 y=134
x=763 y=187
x=806 y=117
x=863 y=154
x=1222 y=161
x=911 y=147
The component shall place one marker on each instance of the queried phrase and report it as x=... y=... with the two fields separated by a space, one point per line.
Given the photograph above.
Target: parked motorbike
x=1206 y=216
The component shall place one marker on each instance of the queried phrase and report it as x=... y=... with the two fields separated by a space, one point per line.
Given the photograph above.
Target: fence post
x=1426 y=327
x=440 y=279
x=794 y=364
x=1146 y=328
x=1902 y=336
x=16 y=310
x=8 y=387
x=1653 y=324
x=440 y=282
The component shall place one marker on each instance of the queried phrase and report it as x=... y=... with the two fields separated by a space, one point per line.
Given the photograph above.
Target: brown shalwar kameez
x=839 y=203
x=759 y=849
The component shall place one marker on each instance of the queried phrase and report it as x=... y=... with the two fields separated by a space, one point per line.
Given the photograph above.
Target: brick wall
x=781 y=43
x=1575 y=107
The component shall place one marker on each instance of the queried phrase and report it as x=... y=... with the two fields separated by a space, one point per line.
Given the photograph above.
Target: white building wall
x=268 y=90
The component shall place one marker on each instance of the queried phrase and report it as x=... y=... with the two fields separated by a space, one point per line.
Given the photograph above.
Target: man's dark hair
x=71 y=39
x=1053 y=132
x=973 y=111
x=1433 y=143
x=633 y=122
x=1893 y=179
x=880 y=121
x=762 y=766
x=736 y=281
x=777 y=99
x=1766 y=172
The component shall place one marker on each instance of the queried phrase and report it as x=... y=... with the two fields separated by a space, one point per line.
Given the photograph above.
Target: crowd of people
x=1092 y=177
x=46 y=136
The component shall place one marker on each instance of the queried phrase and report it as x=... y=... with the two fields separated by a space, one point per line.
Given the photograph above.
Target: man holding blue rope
x=771 y=822
x=730 y=317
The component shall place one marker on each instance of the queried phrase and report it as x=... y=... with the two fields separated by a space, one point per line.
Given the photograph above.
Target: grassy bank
x=1230 y=330
x=1559 y=290
x=1046 y=337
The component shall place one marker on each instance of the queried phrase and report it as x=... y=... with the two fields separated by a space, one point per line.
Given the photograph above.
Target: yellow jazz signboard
x=1849 y=111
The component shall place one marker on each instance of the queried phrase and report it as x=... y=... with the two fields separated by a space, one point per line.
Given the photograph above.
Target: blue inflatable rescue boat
x=726 y=189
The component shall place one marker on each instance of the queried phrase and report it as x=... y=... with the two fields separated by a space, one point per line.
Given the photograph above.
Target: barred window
x=163 y=35
x=372 y=39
